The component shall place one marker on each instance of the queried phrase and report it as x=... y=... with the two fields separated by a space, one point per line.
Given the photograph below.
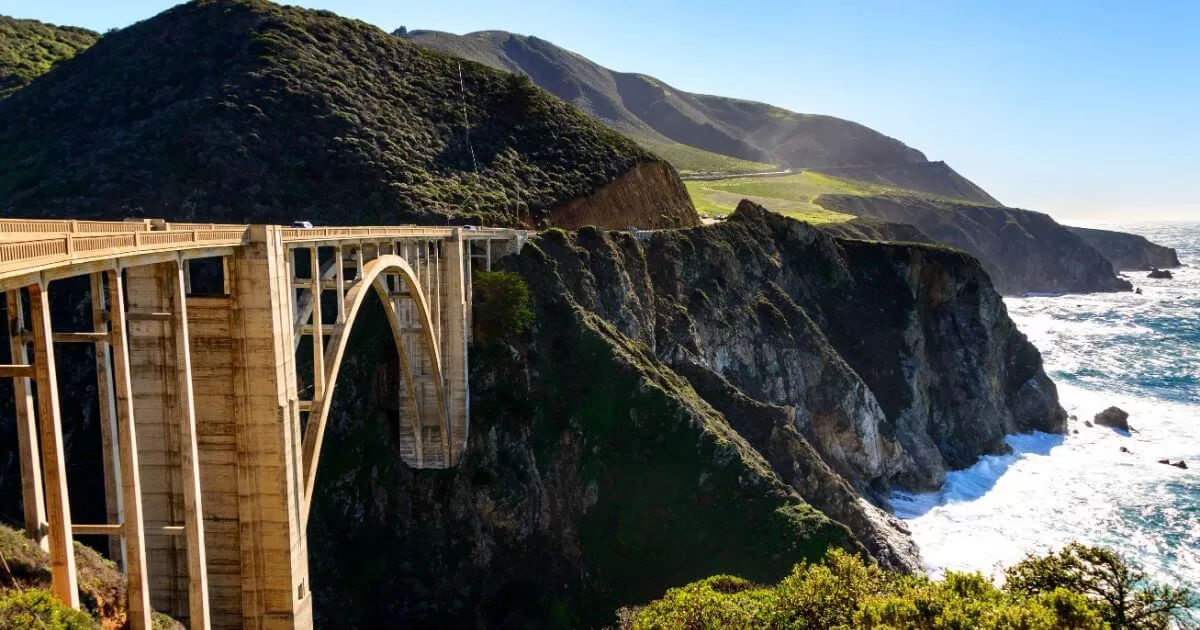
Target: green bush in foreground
x=37 y=609
x=1123 y=594
x=1053 y=592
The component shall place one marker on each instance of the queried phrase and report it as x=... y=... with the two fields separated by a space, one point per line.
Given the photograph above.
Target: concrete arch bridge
x=211 y=433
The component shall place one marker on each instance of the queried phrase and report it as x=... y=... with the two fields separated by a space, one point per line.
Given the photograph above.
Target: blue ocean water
x=1139 y=352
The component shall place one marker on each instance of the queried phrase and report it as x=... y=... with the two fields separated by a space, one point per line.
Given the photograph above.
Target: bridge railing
x=75 y=226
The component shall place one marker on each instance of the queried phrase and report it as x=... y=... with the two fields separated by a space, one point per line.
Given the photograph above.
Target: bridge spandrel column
x=274 y=557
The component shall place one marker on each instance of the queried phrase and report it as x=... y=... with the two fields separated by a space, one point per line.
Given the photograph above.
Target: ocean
x=1138 y=352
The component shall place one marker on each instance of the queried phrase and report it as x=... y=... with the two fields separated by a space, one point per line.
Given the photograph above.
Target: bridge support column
x=274 y=552
x=54 y=461
x=453 y=302
x=32 y=497
x=164 y=409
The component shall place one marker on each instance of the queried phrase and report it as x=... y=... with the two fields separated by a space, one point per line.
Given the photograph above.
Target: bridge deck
x=32 y=250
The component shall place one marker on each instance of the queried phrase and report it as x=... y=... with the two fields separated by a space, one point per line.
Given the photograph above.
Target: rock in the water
x=1087 y=423
x=1180 y=464
x=1161 y=274
x=1165 y=461
x=1114 y=417
x=1125 y=450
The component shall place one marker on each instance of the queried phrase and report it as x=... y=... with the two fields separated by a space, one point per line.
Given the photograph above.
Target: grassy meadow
x=789 y=195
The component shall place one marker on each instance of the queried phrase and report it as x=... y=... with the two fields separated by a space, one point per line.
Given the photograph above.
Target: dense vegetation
x=234 y=110
x=29 y=48
x=1079 y=588
x=502 y=301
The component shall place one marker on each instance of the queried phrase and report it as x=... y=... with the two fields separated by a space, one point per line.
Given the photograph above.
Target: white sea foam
x=1139 y=352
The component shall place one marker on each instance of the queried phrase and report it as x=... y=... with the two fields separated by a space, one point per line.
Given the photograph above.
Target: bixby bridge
x=213 y=403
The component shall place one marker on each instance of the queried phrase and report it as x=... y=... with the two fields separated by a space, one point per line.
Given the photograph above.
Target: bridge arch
x=374 y=277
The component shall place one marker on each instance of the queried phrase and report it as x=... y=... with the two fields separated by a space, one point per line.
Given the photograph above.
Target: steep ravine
x=679 y=409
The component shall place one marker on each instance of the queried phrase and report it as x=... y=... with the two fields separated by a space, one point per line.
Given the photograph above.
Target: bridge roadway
x=213 y=406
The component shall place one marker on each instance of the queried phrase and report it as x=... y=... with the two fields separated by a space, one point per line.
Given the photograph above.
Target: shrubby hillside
x=28 y=48
x=243 y=110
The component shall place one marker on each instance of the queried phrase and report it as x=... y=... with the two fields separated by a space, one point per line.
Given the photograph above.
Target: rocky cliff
x=718 y=399
x=593 y=477
x=1128 y=251
x=1023 y=251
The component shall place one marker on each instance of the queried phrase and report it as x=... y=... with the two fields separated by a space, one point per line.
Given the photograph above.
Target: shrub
x=501 y=308
x=1080 y=588
x=37 y=609
x=1122 y=593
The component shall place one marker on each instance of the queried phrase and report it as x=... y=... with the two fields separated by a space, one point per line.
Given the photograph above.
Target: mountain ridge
x=652 y=111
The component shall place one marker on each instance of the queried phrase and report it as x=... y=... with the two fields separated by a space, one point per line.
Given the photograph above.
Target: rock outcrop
x=648 y=196
x=1022 y=251
x=1160 y=274
x=1113 y=417
x=679 y=409
x=1128 y=252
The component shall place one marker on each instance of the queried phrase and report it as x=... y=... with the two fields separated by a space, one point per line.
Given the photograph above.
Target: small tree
x=501 y=305
x=1123 y=593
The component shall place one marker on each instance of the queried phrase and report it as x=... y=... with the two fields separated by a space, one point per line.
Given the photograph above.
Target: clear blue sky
x=1083 y=109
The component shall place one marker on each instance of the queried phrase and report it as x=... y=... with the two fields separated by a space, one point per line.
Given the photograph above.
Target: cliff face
x=593 y=478
x=1021 y=250
x=1128 y=251
x=648 y=196
x=680 y=408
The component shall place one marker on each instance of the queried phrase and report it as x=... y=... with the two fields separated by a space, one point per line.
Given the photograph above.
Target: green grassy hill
x=29 y=48
x=243 y=110
x=693 y=130
x=790 y=195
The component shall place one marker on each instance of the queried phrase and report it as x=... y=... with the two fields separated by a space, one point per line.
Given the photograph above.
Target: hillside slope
x=28 y=48
x=655 y=113
x=227 y=110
